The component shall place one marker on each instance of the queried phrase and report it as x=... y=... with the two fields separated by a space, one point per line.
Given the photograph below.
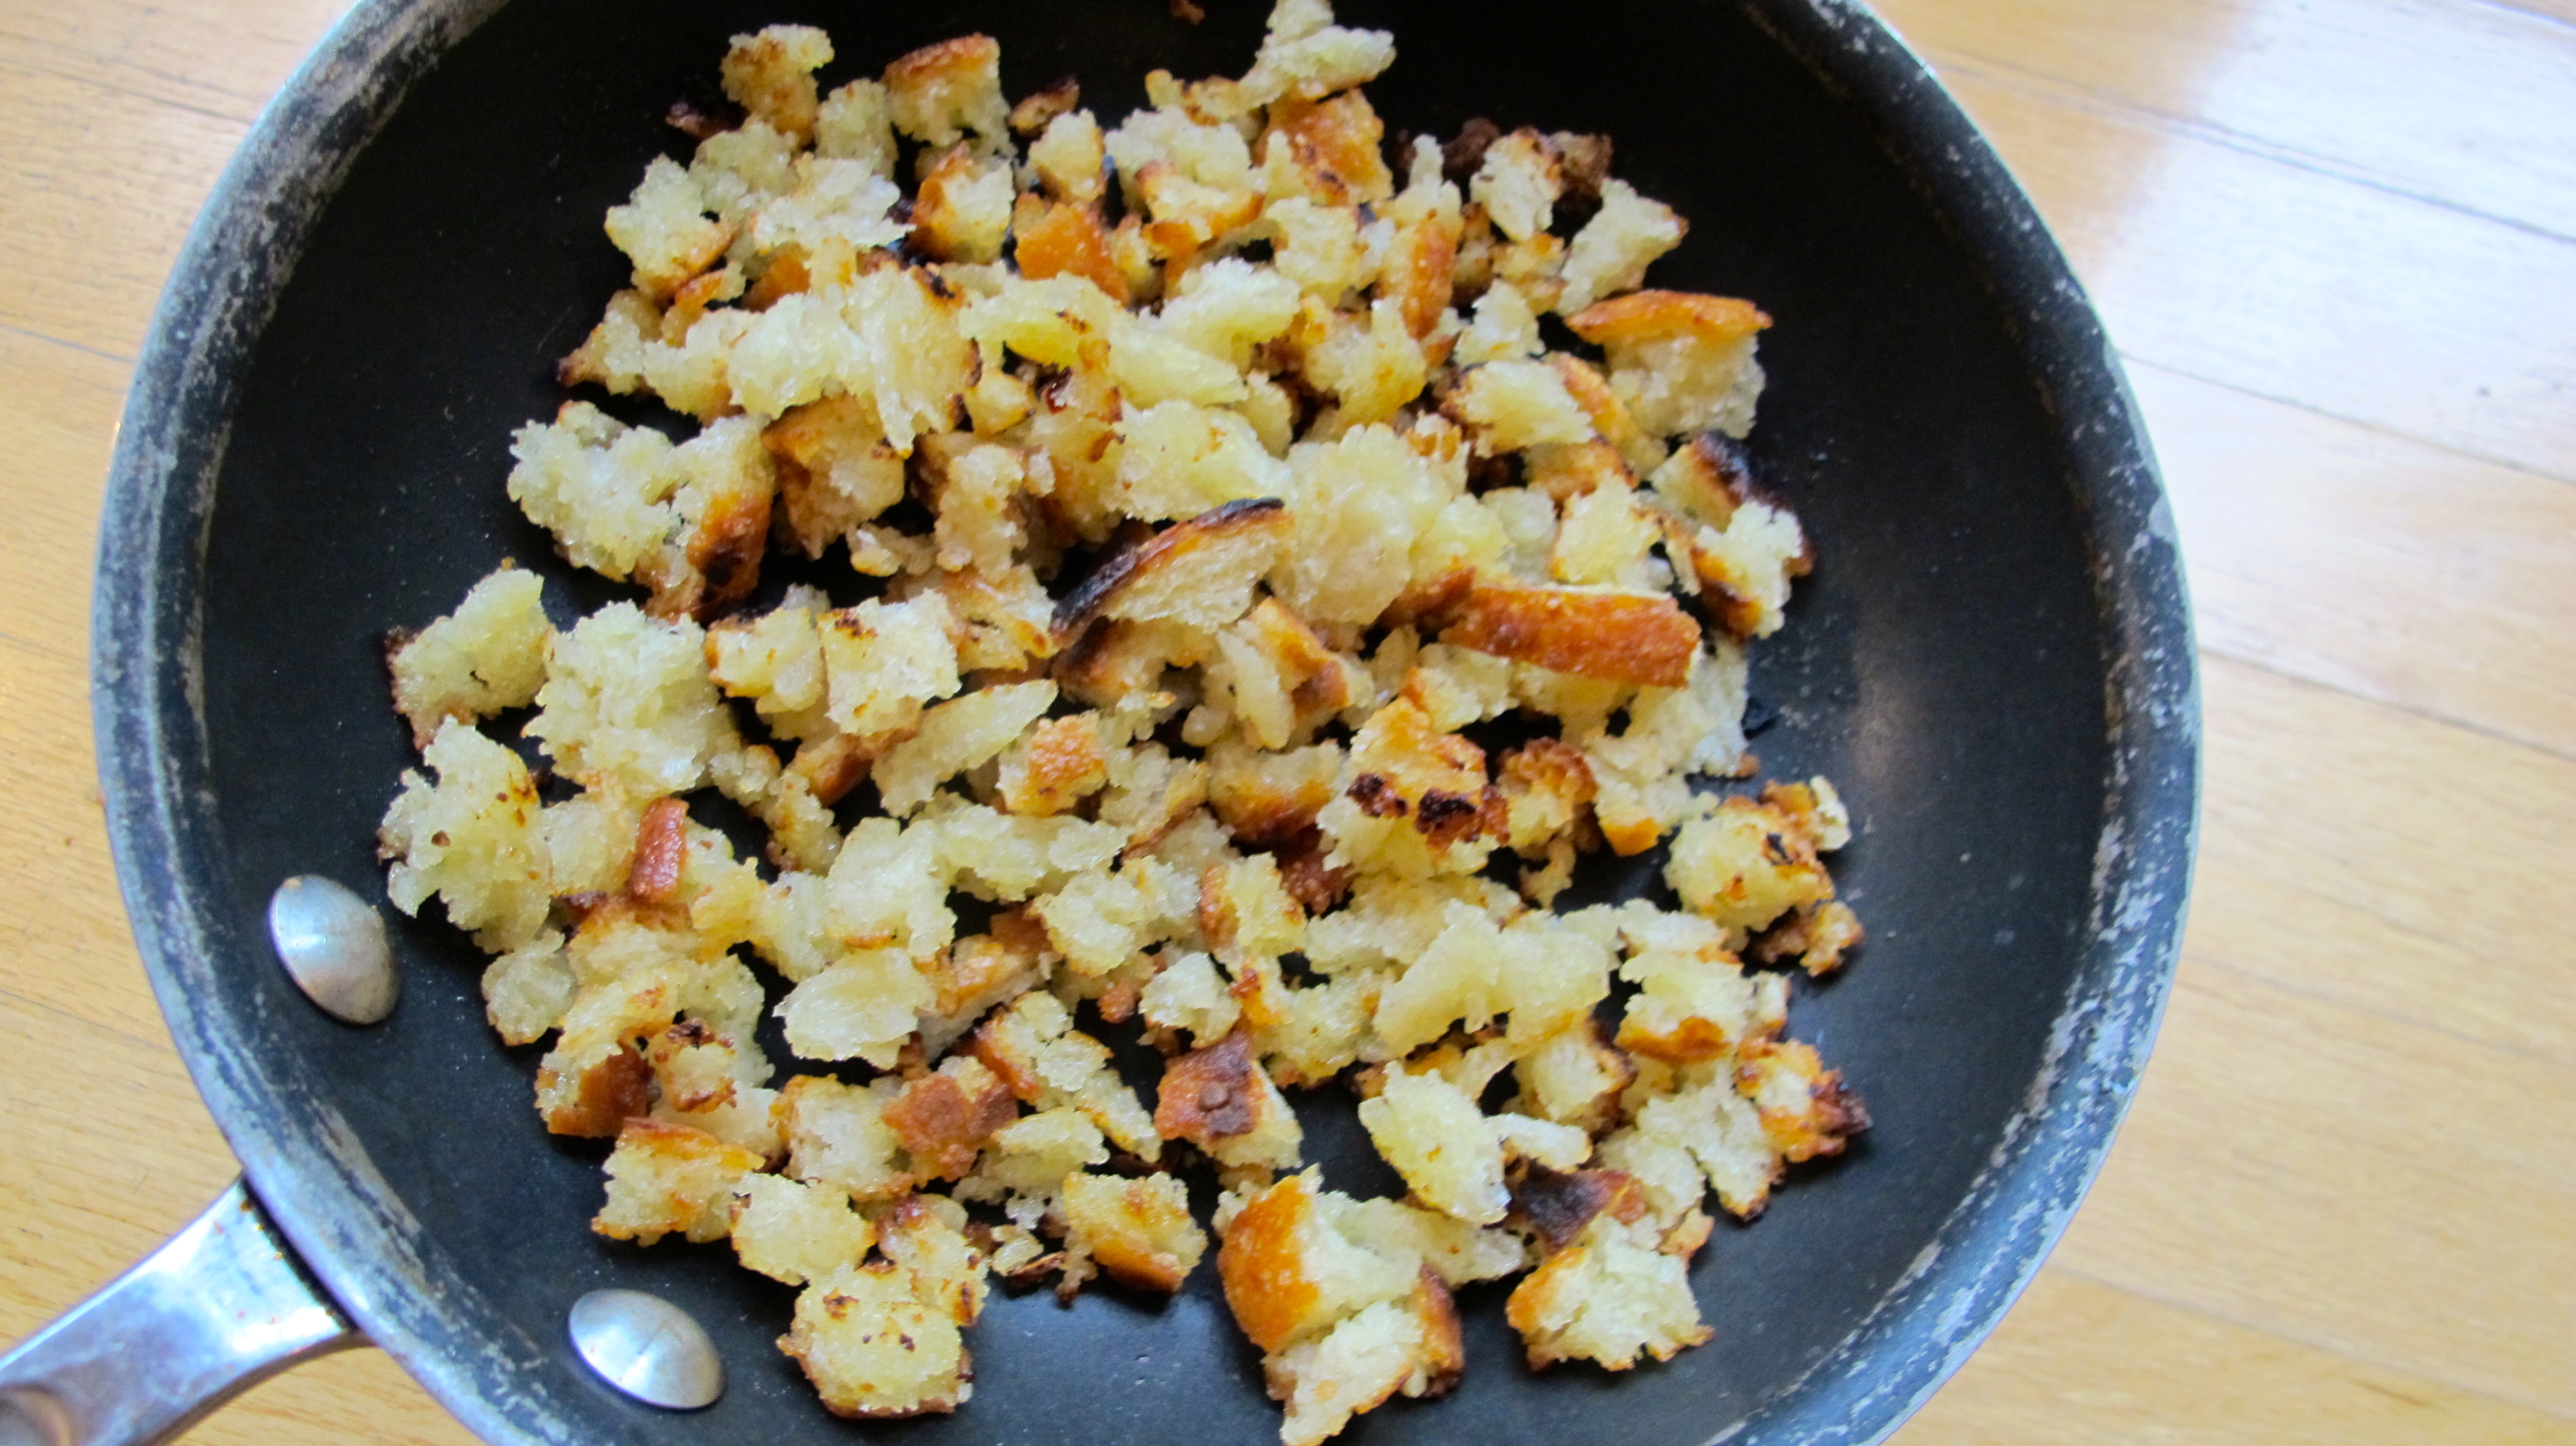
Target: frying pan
x=1993 y=660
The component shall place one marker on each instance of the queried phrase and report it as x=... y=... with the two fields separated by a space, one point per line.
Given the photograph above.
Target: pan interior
x=1945 y=665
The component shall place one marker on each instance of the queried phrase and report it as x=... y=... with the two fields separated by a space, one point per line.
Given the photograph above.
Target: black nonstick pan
x=1993 y=660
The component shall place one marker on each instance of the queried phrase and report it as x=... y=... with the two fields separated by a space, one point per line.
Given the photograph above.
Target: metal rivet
x=648 y=1348
x=333 y=946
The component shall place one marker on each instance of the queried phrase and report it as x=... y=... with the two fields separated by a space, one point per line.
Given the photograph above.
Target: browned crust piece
x=758 y=76
x=833 y=765
x=1220 y=917
x=1839 y=1113
x=1584 y=161
x=1460 y=157
x=726 y=550
x=1064 y=761
x=1446 y=818
x=1693 y=1041
x=1209 y=1094
x=1568 y=470
x=802 y=447
x=1420 y=275
x=698 y=118
x=1123 y=1221
x=1623 y=637
x=1642 y=315
x=1834 y=1111
x=1261 y=1260
x=939 y=228
x=1062 y=239
x=943 y=1127
x=1557 y=1206
x=1554 y=768
x=613 y=1091
x=1040 y=107
x=978 y=966
x=1444 y=1347
x=661 y=847
x=1307 y=872
x=1339 y=142
x=1264 y=809
x=1552 y=765
x=1133 y=564
x=1108 y=663
x=1711 y=478
x=1817 y=937
x=1429 y=605
x=688 y=1034
x=948 y=61
x=985 y=1045
x=786 y=275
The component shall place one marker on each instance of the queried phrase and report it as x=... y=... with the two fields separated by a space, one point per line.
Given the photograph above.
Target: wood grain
x=2080 y=1361
x=2385 y=568
x=2484 y=98
x=2387 y=863
x=2311 y=1170
x=2332 y=244
x=98 y=208
x=2287 y=282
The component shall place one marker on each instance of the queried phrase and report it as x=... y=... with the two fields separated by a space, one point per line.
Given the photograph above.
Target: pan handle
x=223 y=1306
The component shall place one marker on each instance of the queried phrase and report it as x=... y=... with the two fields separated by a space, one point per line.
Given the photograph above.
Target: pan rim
x=315 y=1178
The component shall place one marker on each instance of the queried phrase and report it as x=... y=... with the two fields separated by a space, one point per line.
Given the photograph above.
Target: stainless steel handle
x=222 y=1307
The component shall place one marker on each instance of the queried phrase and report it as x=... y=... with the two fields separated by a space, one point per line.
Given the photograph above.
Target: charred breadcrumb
x=1196 y=538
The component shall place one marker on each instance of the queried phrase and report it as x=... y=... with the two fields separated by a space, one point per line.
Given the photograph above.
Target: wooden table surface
x=2336 y=241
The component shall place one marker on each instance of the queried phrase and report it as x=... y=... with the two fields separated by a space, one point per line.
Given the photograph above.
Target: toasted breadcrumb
x=1409 y=1346
x=941 y=92
x=1504 y=329
x=1608 y=1300
x=955 y=736
x=1679 y=362
x=1445 y=1149
x=1067 y=159
x=670 y=1179
x=602 y=487
x=1513 y=405
x=1034 y=1048
x=486 y=657
x=1290 y=1274
x=628 y=704
x=771 y=74
x=1518 y=183
x=1181 y=459
x=837 y=1135
x=1219 y=1098
x=664 y=229
x=472 y=839
x=855 y=123
x=794 y=1231
x=963 y=211
x=526 y=991
x=1612 y=251
x=874 y=1349
x=1748 y=864
x=1139 y=1230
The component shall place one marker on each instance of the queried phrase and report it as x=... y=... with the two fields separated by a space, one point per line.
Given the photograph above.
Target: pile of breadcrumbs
x=1199 y=547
